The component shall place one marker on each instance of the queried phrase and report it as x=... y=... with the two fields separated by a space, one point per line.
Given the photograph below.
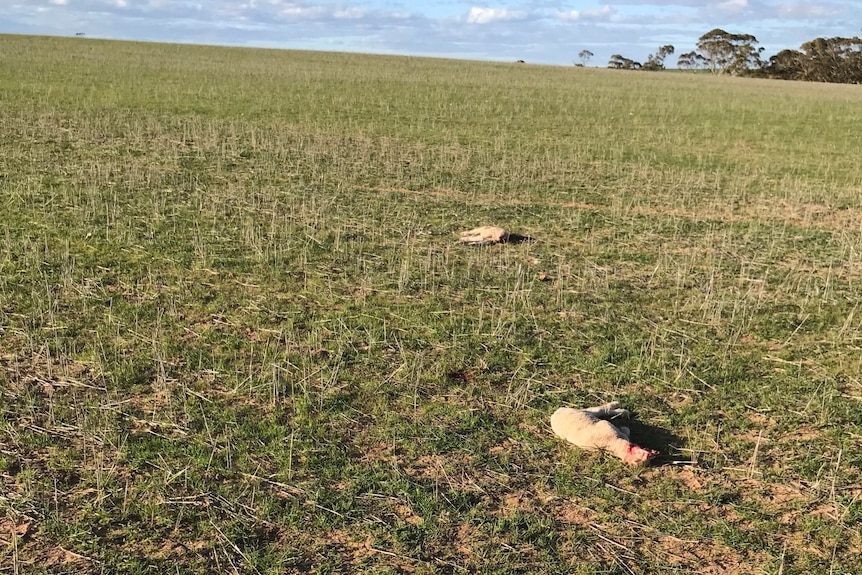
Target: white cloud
x=321 y=11
x=606 y=12
x=316 y=11
x=798 y=10
x=59 y=2
x=732 y=6
x=301 y=12
x=487 y=15
x=350 y=13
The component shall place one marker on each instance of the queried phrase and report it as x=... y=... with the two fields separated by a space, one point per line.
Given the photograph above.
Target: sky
x=536 y=31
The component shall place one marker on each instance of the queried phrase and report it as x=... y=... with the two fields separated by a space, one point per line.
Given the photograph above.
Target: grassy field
x=237 y=334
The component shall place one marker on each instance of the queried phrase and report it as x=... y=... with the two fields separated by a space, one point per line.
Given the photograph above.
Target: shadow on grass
x=662 y=440
x=518 y=239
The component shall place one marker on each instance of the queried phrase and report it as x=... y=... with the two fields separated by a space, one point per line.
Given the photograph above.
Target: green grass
x=237 y=334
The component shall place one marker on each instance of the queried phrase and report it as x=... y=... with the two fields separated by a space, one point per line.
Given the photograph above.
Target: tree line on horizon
x=837 y=59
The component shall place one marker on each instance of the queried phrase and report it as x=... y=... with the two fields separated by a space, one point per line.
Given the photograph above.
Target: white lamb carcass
x=590 y=429
x=485 y=235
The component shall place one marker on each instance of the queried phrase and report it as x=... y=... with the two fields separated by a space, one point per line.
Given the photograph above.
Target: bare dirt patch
x=570 y=513
x=706 y=556
x=58 y=556
x=451 y=470
x=13 y=531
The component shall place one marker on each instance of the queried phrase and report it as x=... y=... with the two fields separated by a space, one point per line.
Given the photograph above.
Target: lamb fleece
x=590 y=429
x=485 y=235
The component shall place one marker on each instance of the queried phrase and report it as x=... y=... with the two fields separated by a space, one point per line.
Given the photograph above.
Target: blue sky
x=538 y=31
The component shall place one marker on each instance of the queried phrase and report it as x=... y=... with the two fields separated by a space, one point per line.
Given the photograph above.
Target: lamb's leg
x=610 y=410
x=604 y=406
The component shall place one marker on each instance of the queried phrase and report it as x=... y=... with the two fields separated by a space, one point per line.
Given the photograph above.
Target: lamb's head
x=638 y=456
